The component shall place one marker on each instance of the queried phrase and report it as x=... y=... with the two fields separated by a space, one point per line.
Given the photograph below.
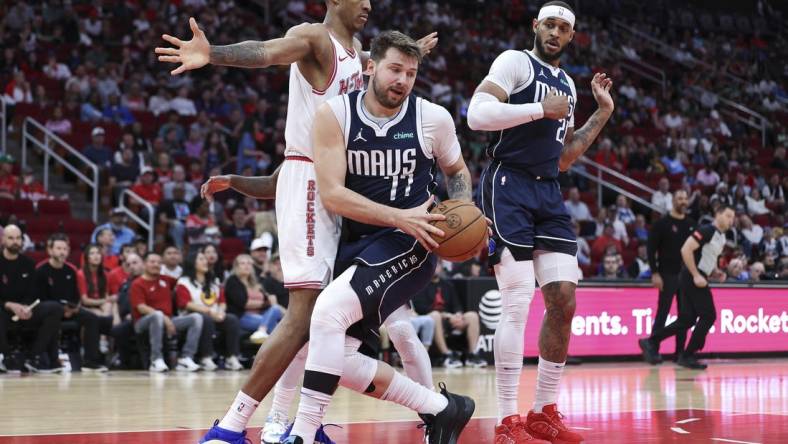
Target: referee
x=699 y=256
x=665 y=239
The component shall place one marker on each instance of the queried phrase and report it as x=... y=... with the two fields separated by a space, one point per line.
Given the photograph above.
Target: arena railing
x=641 y=68
x=42 y=138
x=147 y=225
x=601 y=182
x=738 y=112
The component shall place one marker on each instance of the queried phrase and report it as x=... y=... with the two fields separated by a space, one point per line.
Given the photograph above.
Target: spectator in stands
x=141 y=246
x=774 y=191
x=147 y=187
x=752 y=233
x=171 y=262
x=619 y=229
x=55 y=70
x=173 y=125
x=623 y=212
x=123 y=173
x=640 y=269
x=196 y=173
x=583 y=249
x=117 y=223
x=737 y=270
x=577 y=209
x=56 y=280
x=707 y=176
x=769 y=245
x=273 y=280
x=9 y=183
x=91 y=110
x=201 y=226
x=152 y=311
x=57 y=123
x=741 y=183
x=216 y=151
x=439 y=300
x=18 y=90
x=93 y=289
x=127 y=141
x=639 y=159
x=134 y=98
x=757 y=270
x=611 y=268
x=241 y=227
x=16 y=296
x=756 y=204
x=215 y=261
x=194 y=144
x=174 y=212
x=182 y=104
x=159 y=103
x=673 y=120
x=601 y=243
x=640 y=230
x=606 y=156
x=32 y=189
x=97 y=152
x=105 y=240
x=199 y=291
x=740 y=200
x=258 y=311
x=779 y=162
x=662 y=198
x=260 y=251
x=119 y=275
x=179 y=178
x=722 y=196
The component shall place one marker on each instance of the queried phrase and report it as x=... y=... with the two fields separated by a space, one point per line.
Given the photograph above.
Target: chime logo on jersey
x=382 y=163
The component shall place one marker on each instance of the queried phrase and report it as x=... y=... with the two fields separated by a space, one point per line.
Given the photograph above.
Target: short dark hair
x=393 y=39
x=724 y=207
x=561 y=4
x=149 y=254
x=54 y=237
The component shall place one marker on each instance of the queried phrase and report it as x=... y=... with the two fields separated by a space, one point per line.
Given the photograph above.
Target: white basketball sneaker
x=187 y=365
x=275 y=426
x=158 y=366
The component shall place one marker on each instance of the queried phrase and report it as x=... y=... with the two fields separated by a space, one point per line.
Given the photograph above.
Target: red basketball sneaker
x=547 y=425
x=512 y=431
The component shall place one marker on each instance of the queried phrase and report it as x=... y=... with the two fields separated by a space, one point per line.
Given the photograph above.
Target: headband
x=558 y=12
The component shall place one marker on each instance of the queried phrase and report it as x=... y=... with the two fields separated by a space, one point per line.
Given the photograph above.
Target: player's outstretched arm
x=577 y=142
x=331 y=169
x=258 y=187
x=426 y=43
x=198 y=52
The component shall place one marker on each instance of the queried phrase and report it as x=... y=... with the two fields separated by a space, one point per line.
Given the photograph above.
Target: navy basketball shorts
x=391 y=268
x=527 y=212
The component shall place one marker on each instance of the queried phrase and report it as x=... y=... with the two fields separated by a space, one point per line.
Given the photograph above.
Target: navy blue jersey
x=387 y=165
x=535 y=147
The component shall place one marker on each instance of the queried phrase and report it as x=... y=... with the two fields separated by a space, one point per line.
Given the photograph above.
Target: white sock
x=311 y=409
x=547 y=381
x=287 y=385
x=240 y=411
x=516 y=281
x=415 y=359
x=414 y=396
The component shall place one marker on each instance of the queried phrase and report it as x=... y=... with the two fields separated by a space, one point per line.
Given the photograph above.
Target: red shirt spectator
x=115 y=279
x=147 y=188
x=605 y=240
x=156 y=293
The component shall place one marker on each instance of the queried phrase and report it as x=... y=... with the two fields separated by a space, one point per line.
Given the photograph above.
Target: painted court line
x=679 y=430
x=687 y=421
x=733 y=440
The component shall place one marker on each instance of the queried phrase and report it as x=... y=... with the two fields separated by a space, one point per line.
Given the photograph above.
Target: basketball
x=465 y=230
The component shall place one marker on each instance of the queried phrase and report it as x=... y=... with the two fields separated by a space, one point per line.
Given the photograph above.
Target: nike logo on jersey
x=342 y=59
x=359 y=136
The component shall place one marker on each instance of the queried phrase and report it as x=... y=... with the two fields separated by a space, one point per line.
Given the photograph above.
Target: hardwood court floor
x=737 y=401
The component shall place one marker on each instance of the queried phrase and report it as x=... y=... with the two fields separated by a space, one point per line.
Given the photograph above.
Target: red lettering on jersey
x=342 y=87
x=310 y=217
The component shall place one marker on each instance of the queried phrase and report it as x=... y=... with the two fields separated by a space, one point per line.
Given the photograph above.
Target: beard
x=543 y=51
x=382 y=95
x=14 y=248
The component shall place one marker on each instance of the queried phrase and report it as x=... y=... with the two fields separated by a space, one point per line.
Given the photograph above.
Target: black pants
x=45 y=320
x=92 y=326
x=670 y=287
x=230 y=327
x=696 y=304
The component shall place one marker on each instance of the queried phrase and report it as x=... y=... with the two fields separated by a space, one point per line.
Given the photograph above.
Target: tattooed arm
x=577 y=142
x=459 y=183
x=298 y=43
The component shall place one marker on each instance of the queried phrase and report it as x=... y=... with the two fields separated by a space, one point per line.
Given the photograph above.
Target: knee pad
x=359 y=370
x=404 y=337
x=550 y=266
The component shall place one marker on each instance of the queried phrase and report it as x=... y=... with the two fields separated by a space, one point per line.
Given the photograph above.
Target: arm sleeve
x=440 y=133
x=511 y=70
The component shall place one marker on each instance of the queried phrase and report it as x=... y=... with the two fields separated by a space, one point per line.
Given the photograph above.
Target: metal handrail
x=601 y=183
x=753 y=119
x=643 y=69
x=4 y=123
x=150 y=225
x=49 y=136
x=585 y=160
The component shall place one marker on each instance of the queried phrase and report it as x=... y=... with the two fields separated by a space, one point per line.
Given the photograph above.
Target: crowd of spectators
x=87 y=71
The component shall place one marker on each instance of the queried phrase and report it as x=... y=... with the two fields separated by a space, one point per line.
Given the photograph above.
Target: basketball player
x=375 y=157
x=325 y=62
x=531 y=101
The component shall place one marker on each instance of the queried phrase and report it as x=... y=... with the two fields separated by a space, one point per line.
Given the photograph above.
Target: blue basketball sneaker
x=320 y=437
x=219 y=434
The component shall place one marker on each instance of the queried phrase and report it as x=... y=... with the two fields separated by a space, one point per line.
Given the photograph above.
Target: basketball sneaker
x=512 y=431
x=233 y=364
x=650 y=351
x=691 y=362
x=475 y=361
x=208 y=365
x=36 y=365
x=320 y=436
x=547 y=425
x=158 y=366
x=217 y=433
x=452 y=360
x=446 y=426
x=187 y=364
x=276 y=425
x=3 y=368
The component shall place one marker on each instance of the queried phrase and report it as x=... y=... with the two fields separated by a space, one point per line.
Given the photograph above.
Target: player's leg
x=415 y=358
x=277 y=421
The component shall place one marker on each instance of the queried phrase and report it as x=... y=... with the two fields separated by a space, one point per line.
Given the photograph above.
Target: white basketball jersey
x=304 y=100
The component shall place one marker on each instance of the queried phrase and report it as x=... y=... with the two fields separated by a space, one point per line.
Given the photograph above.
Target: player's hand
x=699 y=281
x=193 y=54
x=214 y=185
x=169 y=327
x=428 y=42
x=556 y=107
x=656 y=280
x=416 y=222
x=600 y=86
